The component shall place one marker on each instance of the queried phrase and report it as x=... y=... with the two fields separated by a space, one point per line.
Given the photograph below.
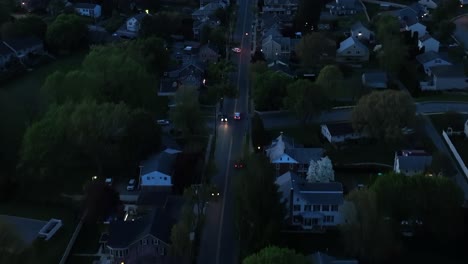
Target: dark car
x=239 y=164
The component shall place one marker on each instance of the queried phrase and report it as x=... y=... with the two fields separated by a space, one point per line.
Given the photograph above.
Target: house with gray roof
x=361 y=32
x=375 y=80
x=429 y=43
x=144 y=240
x=285 y=7
x=281 y=67
x=322 y=258
x=352 y=50
x=431 y=59
x=207 y=10
x=278 y=48
x=432 y=4
x=337 y=133
x=131 y=27
x=409 y=18
x=446 y=77
x=412 y=162
x=156 y=172
x=189 y=75
x=311 y=205
x=345 y=7
x=290 y=157
x=88 y=9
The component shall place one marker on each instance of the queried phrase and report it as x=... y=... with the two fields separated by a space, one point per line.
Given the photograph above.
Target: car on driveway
x=109 y=181
x=131 y=185
x=236 y=50
x=237 y=116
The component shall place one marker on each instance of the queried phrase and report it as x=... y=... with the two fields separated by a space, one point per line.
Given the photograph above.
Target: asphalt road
x=218 y=241
x=285 y=119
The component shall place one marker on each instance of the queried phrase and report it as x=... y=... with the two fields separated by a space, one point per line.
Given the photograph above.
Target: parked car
x=236 y=50
x=109 y=181
x=163 y=122
x=239 y=164
x=237 y=116
x=131 y=185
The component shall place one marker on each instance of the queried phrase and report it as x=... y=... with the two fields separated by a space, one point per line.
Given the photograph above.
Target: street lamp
x=94 y=178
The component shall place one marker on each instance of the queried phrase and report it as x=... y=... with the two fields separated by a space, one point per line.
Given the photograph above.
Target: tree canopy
x=276 y=255
x=393 y=54
x=108 y=74
x=314 y=47
x=383 y=114
x=258 y=211
x=268 y=90
x=162 y=24
x=330 y=79
x=306 y=99
x=186 y=114
x=86 y=136
x=67 y=32
x=308 y=15
x=387 y=26
x=320 y=170
x=25 y=27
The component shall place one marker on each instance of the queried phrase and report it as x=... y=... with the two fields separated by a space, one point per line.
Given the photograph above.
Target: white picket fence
x=455 y=153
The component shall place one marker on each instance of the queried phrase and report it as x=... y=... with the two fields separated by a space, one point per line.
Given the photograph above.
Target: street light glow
x=94 y=178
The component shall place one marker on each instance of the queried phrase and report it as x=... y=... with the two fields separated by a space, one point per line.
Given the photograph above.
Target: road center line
x=223 y=203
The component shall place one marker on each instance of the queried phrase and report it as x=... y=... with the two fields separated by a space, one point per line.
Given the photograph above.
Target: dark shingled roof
x=340 y=129
x=304 y=155
x=428 y=56
x=85 y=5
x=161 y=162
x=414 y=160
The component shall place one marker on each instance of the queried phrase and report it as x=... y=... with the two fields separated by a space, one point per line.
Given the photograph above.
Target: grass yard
x=309 y=243
x=308 y=135
x=49 y=251
x=456 y=97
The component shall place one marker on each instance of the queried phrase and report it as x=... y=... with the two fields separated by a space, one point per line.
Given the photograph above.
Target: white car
x=236 y=50
x=109 y=181
x=163 y=122
x=131 y=185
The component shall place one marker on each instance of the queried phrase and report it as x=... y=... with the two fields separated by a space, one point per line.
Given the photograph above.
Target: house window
x=325 y=208
x=126 y=252
x=297 y=207
x=334 y=207
x=291 y=166
x=329 y=219
x=144 y=242
x=357 y=52
x=307 y=222
x=348 y=52
x=307 y=207
x=316 y=208
x=155 y=242
x=277 y=166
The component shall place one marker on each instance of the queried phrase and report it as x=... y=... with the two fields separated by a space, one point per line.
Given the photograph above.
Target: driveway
x=461 y=30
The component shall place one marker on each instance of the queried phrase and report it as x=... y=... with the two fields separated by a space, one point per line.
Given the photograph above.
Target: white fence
x=455 y=153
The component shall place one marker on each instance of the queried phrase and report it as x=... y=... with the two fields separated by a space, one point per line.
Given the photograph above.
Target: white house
x=432 y=4
x=359 y=31
x=416 y=27
x=156 y=171
x=430 y=59
x=278 y=48
x=89 y=10
x=287 y=7
x=446 y=77
x=311 y=205
x=352 y=50
x=339 y=132
x=428 y=43
x=411 y=162
x=133 y=24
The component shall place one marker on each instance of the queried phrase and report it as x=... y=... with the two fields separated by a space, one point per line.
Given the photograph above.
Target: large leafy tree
x=367 y=234
x=393 y=54
x=417 y=198
x=268 y=91
x=29 y=26
x=186 y=114
x=87 y=136
x=387 y=26
x=67 y=32
x=150 y=52
x=258 y=211
x=101 y=201
x=384 y=114
x=6 y=7
x=320 y=170
x=162 y=24
x=108 y=74
x=330 y=79
x=305 y=99
x=313 y=48
x=308 y=15
x=276 y=255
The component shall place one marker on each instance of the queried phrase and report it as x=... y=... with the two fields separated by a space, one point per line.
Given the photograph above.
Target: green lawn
x=308 y=135
x=49 y=251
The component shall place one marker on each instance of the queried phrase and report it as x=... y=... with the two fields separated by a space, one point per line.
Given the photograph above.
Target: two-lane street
x=218 y=240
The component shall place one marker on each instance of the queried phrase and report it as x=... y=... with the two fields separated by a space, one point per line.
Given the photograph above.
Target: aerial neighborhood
x=233 y=131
